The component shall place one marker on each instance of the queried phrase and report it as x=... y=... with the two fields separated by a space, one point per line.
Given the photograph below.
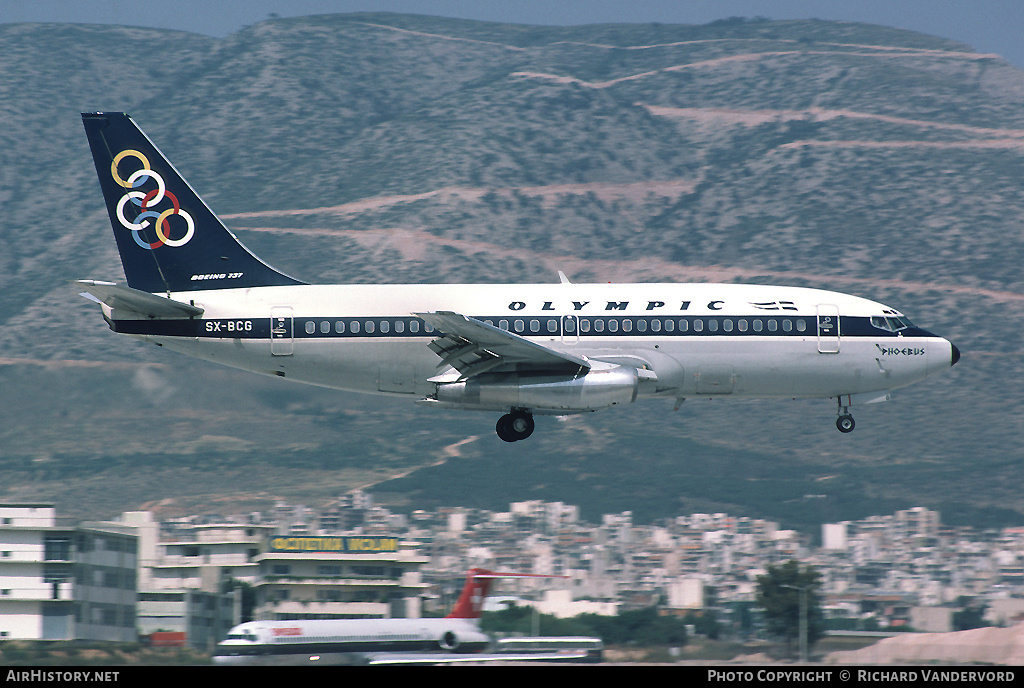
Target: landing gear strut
x=845 y=421
x=514 y=426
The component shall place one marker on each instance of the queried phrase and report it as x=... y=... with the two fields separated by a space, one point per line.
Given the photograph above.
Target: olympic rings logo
x=147 y=202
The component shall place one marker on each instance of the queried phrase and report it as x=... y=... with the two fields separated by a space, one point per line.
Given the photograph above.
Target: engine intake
x=448 y=641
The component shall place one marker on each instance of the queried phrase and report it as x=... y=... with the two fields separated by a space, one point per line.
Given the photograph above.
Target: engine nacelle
x=596 y=389
x=448 y=641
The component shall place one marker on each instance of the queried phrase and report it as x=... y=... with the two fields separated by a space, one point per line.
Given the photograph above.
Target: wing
x=471 y=347
x=435 y=658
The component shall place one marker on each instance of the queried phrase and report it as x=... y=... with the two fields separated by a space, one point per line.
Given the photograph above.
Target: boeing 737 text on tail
x=514 y=349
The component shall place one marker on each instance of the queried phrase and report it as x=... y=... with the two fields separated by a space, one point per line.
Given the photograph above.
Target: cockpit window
x=891 y=323
x=245 y=635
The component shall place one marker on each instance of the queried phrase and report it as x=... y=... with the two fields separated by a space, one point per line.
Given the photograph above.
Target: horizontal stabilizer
x=121 y=298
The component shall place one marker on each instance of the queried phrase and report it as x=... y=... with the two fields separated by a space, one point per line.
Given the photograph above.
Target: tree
x=970 y=615
x=779 y=594
x=640 y=627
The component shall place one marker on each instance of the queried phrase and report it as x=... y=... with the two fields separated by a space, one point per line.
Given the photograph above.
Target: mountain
x=393 y=148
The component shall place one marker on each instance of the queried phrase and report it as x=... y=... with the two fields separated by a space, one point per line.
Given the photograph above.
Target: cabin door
x=282 y=332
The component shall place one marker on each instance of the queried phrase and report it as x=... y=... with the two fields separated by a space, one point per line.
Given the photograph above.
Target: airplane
x=519 y=350
x=456 y=638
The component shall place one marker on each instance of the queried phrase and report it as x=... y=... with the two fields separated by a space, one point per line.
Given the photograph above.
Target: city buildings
x=199 y=575
x=63 y=582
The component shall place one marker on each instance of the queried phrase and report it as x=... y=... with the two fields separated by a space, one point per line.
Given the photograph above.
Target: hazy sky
x=991 y=26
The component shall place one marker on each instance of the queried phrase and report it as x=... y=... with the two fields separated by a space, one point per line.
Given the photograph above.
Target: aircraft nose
x=955 y=355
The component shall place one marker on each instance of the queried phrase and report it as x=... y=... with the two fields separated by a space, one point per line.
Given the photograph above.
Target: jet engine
x=448 y=641
x=590 y=391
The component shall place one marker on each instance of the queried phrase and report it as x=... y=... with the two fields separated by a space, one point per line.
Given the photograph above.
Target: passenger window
x=518 y=325
x=399 y=326
x=385 y=326
x=773 y=326
x=599 y=325
x=354 y=327
x=712 y=325
x=655 y=325
x=670 y=325
x=414 y=326
x=641 y=325
x=627 y=325
x=741 y=325
x=684 y=324
x=727 y=325
x=553 y=326
x=503 y=324
x=758 y=326
x=801 y=325
x=787 y=325
x=369 y=327
x=325 y=327
x=339 y=327
x=535 y=326
x=613 y=325
x=698 y=325
x=310 y=327
x=584 y=325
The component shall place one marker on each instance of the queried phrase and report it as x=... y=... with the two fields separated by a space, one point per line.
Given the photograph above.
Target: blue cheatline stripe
x=525 y=325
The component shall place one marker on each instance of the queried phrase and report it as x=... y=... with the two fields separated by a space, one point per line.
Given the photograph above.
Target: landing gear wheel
x=503 y=430
x=515 y=426
x=845 y=423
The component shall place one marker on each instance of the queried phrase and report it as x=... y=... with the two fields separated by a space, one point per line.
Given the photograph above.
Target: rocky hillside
x=390 y=148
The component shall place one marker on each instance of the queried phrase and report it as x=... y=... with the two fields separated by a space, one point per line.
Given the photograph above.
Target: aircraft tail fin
x=478 y=584
x=169 y=240
x=471 y=601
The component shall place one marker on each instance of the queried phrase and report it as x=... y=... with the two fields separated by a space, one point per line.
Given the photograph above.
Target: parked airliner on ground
x=455 y=638
x=515 y=349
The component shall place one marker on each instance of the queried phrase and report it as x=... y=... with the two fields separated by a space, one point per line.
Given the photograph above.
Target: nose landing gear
x=515 y=425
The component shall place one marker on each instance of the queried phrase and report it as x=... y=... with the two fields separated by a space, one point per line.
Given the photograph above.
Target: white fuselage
x=696 y=340
x=263 y=641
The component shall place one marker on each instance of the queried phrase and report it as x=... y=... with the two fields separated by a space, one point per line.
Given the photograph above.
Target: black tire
x=845 y=424
x=514 y=426
x=504 y=428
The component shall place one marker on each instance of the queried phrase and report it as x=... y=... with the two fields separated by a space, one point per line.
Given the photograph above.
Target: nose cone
x=954 y=356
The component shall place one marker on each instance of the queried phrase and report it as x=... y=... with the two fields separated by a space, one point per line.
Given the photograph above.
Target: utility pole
x=802 y=629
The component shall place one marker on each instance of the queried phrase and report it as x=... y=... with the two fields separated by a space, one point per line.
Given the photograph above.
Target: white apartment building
x=336 y=577
x=202 y=556
x=65 y=583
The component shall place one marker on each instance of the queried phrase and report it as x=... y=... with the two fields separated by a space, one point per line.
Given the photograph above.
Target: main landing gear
x=515 y=425
x=845 y=421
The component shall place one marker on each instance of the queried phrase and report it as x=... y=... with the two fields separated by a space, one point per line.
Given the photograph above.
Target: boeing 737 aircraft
x=455 y=638
x=513 y=349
